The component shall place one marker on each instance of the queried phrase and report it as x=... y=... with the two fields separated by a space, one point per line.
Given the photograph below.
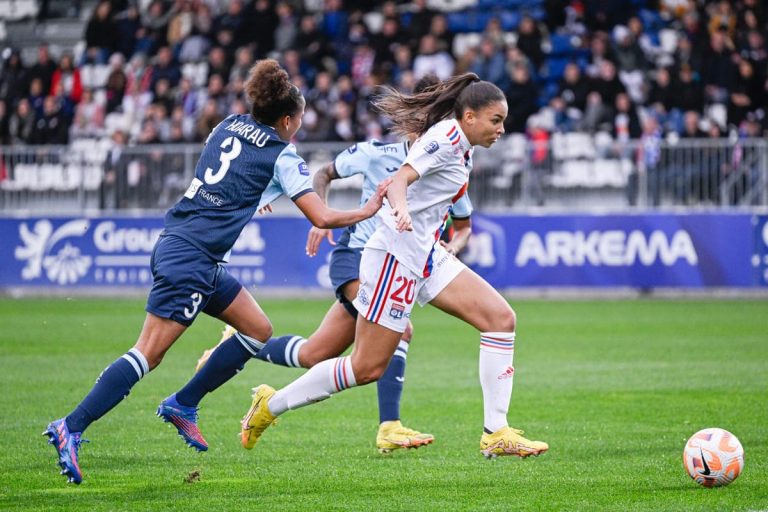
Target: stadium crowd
x=156 y=71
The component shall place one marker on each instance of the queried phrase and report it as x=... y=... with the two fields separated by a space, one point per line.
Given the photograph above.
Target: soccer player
x=245 y=165
x=402 y=263
x=375 y=161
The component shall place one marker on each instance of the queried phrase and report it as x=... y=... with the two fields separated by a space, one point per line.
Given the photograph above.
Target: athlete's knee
x=260 y=330
x=367 y=372
x=505 y=321
x=408 y=334
x=309 y=356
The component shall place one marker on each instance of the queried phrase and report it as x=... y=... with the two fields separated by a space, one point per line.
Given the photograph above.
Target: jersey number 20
x=231 y=147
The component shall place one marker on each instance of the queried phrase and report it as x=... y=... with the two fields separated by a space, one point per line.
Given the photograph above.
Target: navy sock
x=114 y=384
x=390 y=385
x=228 y=359
x=283 y=350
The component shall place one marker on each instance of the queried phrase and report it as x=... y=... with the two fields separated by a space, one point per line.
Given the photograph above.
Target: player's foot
x=227 y=333
x=184 y=418
x=67 y=445
x=258 y=417
x=393 y=435
x=510 y=441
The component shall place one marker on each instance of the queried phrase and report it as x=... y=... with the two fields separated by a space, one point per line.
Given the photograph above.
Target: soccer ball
x=713 y=457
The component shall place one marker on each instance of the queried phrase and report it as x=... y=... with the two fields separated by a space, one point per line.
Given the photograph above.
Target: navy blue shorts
x=187 y=281
x=345 y=267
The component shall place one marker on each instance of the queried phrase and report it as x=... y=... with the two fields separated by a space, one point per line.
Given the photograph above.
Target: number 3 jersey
x=244 y=166
x=443 y=159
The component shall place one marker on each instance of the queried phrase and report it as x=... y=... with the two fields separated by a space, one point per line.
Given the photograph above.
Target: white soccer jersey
x=376 y=161
x=443 y=159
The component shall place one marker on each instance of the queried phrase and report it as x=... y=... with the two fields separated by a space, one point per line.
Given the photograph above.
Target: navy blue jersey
x=244 y=166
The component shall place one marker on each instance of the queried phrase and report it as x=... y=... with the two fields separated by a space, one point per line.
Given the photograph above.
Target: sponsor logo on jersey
x=432 y=147
x=363 y=297
x=303 y=169
x=397 y=311
x=351 y=149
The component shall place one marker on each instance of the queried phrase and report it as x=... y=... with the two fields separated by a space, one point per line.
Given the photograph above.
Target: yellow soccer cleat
x=393 y=435
x=227 y=333
x=258 y=417
x=510 y=441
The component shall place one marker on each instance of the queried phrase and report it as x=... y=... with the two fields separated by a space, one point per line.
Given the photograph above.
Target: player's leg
x=392 y=434
x=470 y=298
x=114 y=384
x=374 y=345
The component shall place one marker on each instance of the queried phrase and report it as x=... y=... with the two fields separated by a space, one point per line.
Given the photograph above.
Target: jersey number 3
x=230 y=149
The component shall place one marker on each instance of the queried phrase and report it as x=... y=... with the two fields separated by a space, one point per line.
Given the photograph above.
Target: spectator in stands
x=717 y=68
x=127 y=30
x=630 y=61
x=626 y=122
x=184 y=123
x=574 y=87
x=5 y=135
x=522 y=99
x=438 y=28
x=116 y=82
x=100 y=34
x=607 y=84
x=285 y=33
x=52 y=128
x=403 y=63
x=44 y=67
x=89 y=117
x=155 y=22
x=262 y=26
x=207 y=120
x=603 y=15
x=419 y=21
x=755 y=51
x=386 y=42
x=163 y=95
x=68 y=76
x=600 y=51
x=335 y=21
x=13 y=79
x=343 y=123
x=165 y=68
x=495 y=33
x=189 y=98
x=232 y=20
x=689 y=92
x=216 y=92
x=217 y=63
x=747 y=94
x=529 y=41
x=181 y=23
x=313 y=46
x=243 y=63
x=37 y=96
x=661 y=101
x=21 y=124
x=648 y=162
x=430 y=60
x=114 y=182
x=362 y=65
x=139 y=74
x=722 y=19
x=490 y=64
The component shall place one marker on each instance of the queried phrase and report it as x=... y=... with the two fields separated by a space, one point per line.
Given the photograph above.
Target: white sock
x=497 y=351
x=320 y=382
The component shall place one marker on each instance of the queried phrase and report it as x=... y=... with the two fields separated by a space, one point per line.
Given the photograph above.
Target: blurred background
x=635 y=152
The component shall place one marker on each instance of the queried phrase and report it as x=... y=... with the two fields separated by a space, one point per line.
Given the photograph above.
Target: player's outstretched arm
x=462 y=229
x=321 y=216
x=321 y=183
x=397 y=196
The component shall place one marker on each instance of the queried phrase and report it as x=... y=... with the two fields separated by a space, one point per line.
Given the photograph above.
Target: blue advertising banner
x=638 y=251
x=115 y=251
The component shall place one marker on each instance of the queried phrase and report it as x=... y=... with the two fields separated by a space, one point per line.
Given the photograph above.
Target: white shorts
x=388 y=289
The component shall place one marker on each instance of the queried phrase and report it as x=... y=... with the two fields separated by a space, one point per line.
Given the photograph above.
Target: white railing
x=574 y=172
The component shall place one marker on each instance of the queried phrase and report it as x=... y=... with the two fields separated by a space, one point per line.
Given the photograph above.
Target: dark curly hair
x=271 y=93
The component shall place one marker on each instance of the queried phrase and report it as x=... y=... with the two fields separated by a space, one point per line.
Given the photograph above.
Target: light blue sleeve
x=462 y=209
x=354 y=160
x=292 y=173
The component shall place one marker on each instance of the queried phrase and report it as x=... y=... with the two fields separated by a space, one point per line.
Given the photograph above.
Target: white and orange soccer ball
x=713 y=457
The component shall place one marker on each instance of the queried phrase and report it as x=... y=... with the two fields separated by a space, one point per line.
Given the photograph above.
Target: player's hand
x=377 y=199
x=315 y=238
x=265 y=209
x=449 y=249
x=402 y=219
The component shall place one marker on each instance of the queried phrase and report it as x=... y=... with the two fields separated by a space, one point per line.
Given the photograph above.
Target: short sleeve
x=428 y=153
x=462 y=209
x=292 y=173
x=355 y=159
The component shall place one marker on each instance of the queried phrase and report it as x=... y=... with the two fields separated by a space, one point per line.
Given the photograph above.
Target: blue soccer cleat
x=185 y=420
x=67 y=444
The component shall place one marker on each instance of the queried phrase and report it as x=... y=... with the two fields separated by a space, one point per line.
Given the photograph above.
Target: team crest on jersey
x=363 y=297
x=397 y=311
x=352 y=149
x=304 y=169
x=432 y=147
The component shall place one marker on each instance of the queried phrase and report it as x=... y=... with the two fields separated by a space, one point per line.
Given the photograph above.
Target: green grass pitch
x=615 y=388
